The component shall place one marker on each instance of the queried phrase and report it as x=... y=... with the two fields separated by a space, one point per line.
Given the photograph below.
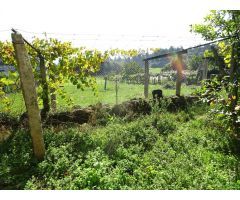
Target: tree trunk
x=234 y=80
x=53 y=100
x=219 y=60
x=30 y=95
x=53 y=96
x=45 y=95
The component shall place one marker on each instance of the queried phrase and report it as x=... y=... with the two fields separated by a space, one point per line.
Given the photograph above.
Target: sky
x=104 y=24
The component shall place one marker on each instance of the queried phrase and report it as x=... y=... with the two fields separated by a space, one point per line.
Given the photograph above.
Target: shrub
x=182 y=150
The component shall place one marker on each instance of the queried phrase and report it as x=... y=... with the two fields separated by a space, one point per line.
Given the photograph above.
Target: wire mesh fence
x=120 y=80
x=115 y=86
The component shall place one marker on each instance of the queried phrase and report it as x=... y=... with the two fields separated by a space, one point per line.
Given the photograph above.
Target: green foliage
x=9 y=79
x=169 y=85
x=185 y=150
x=62 y=61
x=131 y=68
x=16 y=159
x=223 y=93
x=217 y=93
x=195 y=62
x=7 y=53
x=217 y=24
x=166 y=67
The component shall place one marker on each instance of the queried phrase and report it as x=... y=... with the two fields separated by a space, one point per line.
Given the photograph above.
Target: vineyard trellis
x=80 y=67
x=23 y=61
x=178 y=65
x=43 y=73
x=143 y=78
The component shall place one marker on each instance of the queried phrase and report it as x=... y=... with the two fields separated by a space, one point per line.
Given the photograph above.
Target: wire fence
x=106 y=41
x=121 y=85
x=114 y=87
x=121 y=81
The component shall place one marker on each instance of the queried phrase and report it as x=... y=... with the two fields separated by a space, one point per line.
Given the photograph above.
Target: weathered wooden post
x=105 y=83
x=116 y=89
x=29 y=94
x=138 y=79
x=146 y=79
x=179 y=68
x=159 y=79
x=154 y=80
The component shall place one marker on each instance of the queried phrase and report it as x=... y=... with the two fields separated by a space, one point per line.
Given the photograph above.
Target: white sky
x=110 y=23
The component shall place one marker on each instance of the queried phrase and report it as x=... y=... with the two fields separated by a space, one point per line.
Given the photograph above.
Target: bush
x=17 y=162
x=169 y=85
x=184 y=150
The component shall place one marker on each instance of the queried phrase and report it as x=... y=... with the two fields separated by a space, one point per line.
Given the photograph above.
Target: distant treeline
x=116 y=64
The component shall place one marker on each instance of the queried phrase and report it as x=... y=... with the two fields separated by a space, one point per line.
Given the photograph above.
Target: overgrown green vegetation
x=191 y=148
x=184 y=150
x=224 y=23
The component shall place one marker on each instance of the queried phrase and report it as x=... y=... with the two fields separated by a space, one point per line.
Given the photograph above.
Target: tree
x=221 y=24
x=63 y=63
x=7 y=57
x=195 y=62
x=131 y=68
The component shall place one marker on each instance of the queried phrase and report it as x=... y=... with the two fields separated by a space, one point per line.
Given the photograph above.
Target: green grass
x=184 y=150
x=17 y=105
x=86 y=97
x=125 y=92
x=155 y=70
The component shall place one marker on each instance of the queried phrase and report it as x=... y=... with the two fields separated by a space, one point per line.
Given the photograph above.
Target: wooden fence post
x=146 y=79
x=159 y=79
x=179 y=66
x=116 y=88
x=30 y=95
x=105 y=83
x=178 y=84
